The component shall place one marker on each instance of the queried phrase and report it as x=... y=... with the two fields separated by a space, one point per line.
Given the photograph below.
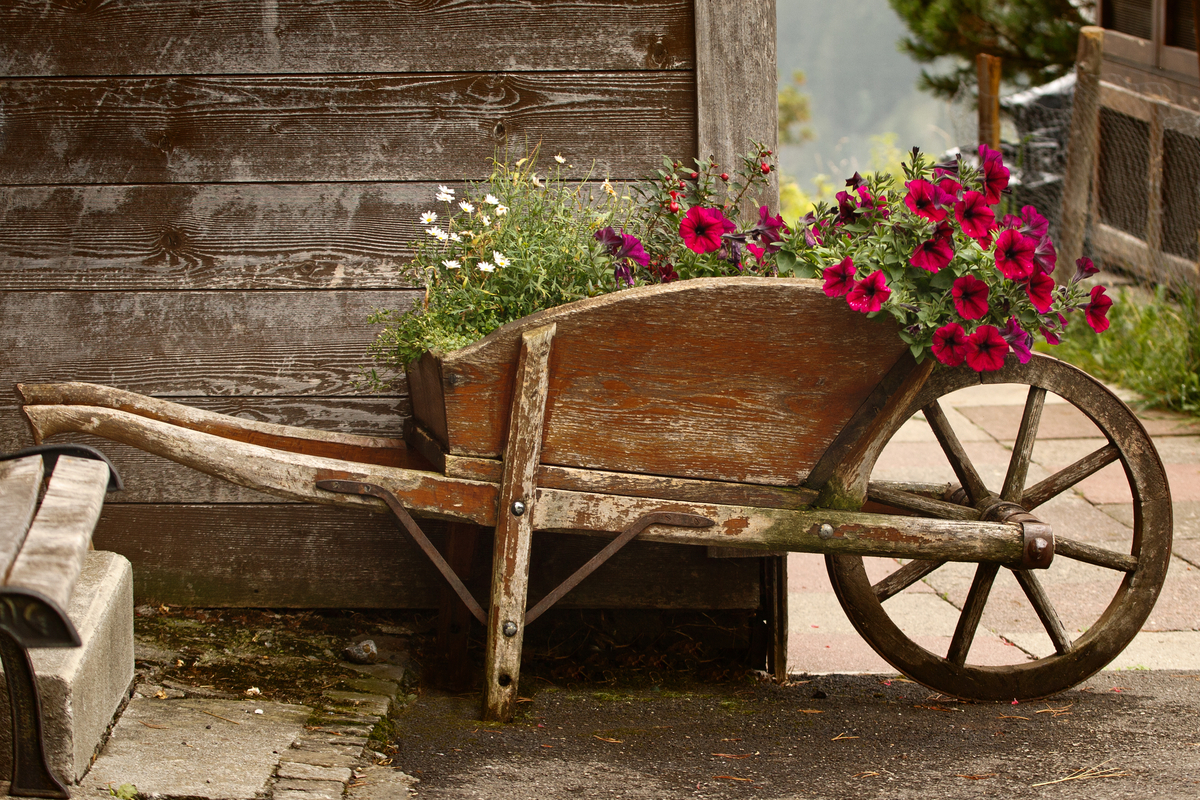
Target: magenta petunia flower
x=1036 y=225
x=995 y=176
x=1014 y=254
x=932 y=255
x=1084 y=268
x=759 y=252
x=869 y=294
x=1045 y=257
x=1097 y=309
x=986 y=349
x=701 y=229
x=974 y=215
x=944 y=230
x=839 y=278
x=922 y=200
x=1051 y=336
x=769 y=230
x=950 y=344
x=970 y=297
x=1018 y=339
x=950 y=190
x=1040 y=288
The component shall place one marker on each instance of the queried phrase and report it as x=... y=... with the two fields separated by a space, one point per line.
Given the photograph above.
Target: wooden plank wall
x=202 y=200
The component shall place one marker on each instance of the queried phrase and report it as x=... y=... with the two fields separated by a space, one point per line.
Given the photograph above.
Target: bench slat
x=61 y=533
x=20 y=480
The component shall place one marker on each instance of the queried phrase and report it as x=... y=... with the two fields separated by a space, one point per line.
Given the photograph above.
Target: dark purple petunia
x=869 y=294
x=1040 y=288
x=1018 y=339
x=839 y=278
x=1084 y=268
x=974 y=215
x=922 y=200
x=847 y=208
x=1014 y=254
x=622 y=246
x=1097 y=310
x=932 y=255
x=855 y=181
x=970 y=297
x=944 y=230
x=950 y=344
x=769 y=230
x=702 y=228
x=986 y=349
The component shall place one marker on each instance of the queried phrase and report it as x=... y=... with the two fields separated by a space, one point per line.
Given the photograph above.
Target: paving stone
x=290 y=769
x=376 y=704
x=308 y=790
x=388 y=783
x=325 y=757
x=374 y=685
x=216 y=749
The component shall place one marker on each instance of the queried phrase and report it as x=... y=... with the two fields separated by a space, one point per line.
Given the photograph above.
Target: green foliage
x=794 y=112
x=126 y=791
x=1152 y=347
x=1036 y=39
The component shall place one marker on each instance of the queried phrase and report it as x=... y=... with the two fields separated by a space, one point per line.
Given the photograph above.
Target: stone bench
x=58 y=593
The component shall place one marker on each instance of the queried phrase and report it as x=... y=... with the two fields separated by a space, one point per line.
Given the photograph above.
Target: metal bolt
x=509 y=628
x=518 y=508
x=826 y=531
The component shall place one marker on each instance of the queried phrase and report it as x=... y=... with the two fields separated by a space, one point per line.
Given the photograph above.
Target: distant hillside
x=860 y=85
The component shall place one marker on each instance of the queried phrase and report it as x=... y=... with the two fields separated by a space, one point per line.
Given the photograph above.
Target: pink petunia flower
x=974 y=215
x=1097 y=310
x=1040 y=289
x=701 y=229
x=950 y=190
x=986 y=349
x=1045 y=257
x=1018 y=339
x=922 y=200
x=950 y=344
x=1036 y=225
x=970 y=297
x=869 y=294
x=839 y=278
x=932 y=255
x=1084 y=268
x=1014 y=254
x=995 y=175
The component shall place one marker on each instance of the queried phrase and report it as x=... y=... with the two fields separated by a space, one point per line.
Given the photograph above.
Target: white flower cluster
x=446 y=195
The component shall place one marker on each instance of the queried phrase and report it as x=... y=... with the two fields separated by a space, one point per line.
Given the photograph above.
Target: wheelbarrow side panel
x=735 y=379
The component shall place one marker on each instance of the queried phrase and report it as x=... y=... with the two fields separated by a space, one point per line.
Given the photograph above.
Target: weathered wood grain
x=143 y=37
x=745 y=380
x=192 y=343
x=20 y=482
x=58 y=539
x=336 y=127
x=514 y=524
x=210 y=236
x=289 y=556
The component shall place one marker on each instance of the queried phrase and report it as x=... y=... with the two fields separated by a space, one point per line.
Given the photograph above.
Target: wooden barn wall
x=202 y=201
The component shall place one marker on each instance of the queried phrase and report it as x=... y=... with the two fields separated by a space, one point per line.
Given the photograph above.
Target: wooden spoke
x=1099 y=556
x=1045 y=611
x=1064 y=479
x=918 y=503
x=968 y=620
x=903 y=578
x=1018 y=465
x=959 y=461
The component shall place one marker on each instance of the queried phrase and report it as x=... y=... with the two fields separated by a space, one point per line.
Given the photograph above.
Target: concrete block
x=81 y=688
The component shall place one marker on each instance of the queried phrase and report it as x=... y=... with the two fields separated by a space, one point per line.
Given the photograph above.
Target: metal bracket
x=31 y=776
x=410 y=525
x=631 y=532
x=51 y=452
x=1038 y=550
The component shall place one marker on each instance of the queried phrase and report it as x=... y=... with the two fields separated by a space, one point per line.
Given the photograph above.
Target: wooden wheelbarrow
x=739 y=412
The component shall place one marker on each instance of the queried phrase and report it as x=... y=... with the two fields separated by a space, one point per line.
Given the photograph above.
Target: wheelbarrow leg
x=514 y=526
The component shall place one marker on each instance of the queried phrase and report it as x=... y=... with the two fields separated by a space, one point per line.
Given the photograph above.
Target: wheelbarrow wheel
x=1015 y=634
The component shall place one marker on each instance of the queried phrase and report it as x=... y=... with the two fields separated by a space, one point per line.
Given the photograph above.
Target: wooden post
x=514 y=525
x=1082 y=147
x=987 y=69
x=1154 y=197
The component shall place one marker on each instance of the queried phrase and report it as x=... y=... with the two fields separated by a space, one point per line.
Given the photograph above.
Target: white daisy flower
x=492 y=200
x=445 y=197
x=445 y=189
x=501 y=211
x=451 y=264
x=500 y=259
x=560 y=159
x=487 y=220
x=536 y=180
x=485 y=266
x=467 y=207
x=437 y=233
x=454 y=237
x=428 y=218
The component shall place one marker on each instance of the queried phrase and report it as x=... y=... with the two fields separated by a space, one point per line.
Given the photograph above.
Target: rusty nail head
x=825 y=531
x=518 y=508
x=509 y=628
